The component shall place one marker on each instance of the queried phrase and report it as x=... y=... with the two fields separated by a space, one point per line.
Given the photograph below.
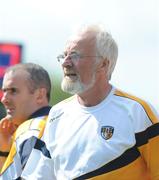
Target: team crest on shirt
x=107 y=132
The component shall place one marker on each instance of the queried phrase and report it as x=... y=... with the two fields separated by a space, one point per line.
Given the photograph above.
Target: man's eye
x=13 y=90
x=10 y=90
x=74 y=56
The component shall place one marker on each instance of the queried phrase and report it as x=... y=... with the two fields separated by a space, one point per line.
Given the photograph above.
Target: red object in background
x=10 y=54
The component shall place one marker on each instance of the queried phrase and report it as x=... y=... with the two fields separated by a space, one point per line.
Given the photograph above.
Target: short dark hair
x=38 y=76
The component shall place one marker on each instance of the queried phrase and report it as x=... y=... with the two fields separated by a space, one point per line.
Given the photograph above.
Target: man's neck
x=94 y=96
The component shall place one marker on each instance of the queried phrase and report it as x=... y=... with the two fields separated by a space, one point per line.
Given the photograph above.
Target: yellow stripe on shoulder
x=41 y=126
x=34 y=124
x=10 y=158
x=23 y=128
x=153 y=118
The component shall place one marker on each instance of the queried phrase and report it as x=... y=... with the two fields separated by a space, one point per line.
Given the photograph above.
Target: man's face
x=79 y=73
x=17 y=99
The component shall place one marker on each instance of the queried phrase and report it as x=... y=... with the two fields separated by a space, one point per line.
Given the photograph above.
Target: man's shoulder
x=64 y=103
x=35 y=124
x=130 y=97
x=137 y=106
x=61 y=108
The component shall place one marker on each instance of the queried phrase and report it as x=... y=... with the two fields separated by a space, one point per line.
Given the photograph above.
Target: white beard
x=76 y=87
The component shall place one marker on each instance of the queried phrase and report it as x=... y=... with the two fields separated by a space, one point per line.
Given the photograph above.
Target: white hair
x=105 y=45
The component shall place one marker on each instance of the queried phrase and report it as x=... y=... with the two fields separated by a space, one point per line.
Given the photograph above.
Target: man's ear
x=40 y=94
x=103 y=65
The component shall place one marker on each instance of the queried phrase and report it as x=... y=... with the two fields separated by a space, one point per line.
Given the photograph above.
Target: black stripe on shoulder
x=41 y=146
x=27 y=146
x=126 y=158
x=19 y=178
x=143 y=137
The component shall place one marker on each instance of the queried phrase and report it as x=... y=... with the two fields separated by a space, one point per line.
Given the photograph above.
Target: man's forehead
x=19 y=73
x=10 y=82
x=14 y=78
x=80 y=42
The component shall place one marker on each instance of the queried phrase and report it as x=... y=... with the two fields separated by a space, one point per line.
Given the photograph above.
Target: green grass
x=57 y=94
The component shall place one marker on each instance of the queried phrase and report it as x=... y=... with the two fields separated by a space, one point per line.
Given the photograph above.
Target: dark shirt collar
x=41 y=112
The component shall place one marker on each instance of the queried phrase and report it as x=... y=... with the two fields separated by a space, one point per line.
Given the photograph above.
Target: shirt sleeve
x=148 y=143
x=38 y=167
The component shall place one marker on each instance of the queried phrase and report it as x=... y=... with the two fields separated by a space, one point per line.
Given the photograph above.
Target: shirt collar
x=41 y=112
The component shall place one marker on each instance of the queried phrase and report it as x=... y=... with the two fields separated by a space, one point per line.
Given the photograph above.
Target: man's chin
x=72 y=87
x=9 y=116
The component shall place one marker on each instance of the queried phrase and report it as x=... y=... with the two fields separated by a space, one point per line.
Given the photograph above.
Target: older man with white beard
x=101 y=132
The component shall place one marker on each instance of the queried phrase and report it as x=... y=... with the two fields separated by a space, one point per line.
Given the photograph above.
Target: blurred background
x=41 y=28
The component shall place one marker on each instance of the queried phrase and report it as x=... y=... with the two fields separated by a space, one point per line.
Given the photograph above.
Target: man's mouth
x=9 y=110
x=71 y=76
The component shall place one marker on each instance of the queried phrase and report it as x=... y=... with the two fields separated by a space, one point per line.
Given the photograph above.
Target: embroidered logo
x=57 y=117
x=107 y=132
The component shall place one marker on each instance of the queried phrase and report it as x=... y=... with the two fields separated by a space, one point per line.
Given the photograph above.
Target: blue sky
x=43 y=27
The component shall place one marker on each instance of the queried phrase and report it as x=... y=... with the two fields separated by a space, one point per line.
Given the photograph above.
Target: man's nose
x=5 y=98
x=67 y=61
